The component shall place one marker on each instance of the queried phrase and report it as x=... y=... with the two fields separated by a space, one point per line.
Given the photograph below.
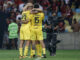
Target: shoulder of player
x=41 y=13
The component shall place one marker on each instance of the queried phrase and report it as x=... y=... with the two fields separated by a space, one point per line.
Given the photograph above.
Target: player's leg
x=27 y=39
x=33 y=38
x=40 y=38
x=43 y=46
x=31 y=53
x=21 y=43
x=38 y=48
x=21 y=49
x=33 y=48
x=26 y=48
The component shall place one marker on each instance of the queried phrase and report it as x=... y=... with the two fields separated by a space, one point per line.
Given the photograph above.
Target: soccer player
x=36 y=28
x=37 y=43
x=25 y=30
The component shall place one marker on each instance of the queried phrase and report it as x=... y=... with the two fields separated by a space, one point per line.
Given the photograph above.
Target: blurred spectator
x=9 y=2
x=13 y=16
x=45 y=4
x=61 y=24
x=18 y=17
x=14 y=8
x=38 y=1
x=59 y=14
x=63 y=9
x=77 y=15
x=9 y=8
x=40 y=7
x=54 y=6
x=66 y=1
x=21 y=7
x=69 y=14
x=78 y=10
x=77 y=3
x=5 y=41
x=7 y=23
x=75 y=26
x=1 y=2
x=68 y=26
x=18 y=2
x=5 y=5
x=13 y=34
x=46 y=15
x=73 y=7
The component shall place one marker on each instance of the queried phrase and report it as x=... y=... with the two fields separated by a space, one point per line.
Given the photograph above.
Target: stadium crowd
x=67 y=12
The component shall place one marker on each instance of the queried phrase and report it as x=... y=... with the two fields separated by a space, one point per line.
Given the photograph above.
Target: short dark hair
x=36 y=5
x=12 y=20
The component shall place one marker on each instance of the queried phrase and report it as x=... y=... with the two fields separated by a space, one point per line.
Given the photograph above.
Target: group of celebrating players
x=31 y=32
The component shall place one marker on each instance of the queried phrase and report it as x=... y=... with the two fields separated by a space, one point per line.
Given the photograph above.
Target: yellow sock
x=21 y=51
x=31 y=50
x=40 y=50
x=44 y=51
x=26 y=51
x=37 y=49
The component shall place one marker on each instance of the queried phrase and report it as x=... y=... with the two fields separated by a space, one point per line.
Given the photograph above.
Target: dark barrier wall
x=69 y=41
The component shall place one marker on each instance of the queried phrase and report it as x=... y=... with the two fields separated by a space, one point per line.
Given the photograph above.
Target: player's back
x=37 y=19
x=26 y=16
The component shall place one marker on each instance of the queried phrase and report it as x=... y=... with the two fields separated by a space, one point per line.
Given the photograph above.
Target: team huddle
x=31 y=32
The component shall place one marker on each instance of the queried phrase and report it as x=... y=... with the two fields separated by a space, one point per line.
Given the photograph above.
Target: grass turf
x=60 y=55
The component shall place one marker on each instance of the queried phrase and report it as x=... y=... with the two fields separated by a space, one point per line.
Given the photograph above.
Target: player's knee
x=37 y=42
x=33 y=47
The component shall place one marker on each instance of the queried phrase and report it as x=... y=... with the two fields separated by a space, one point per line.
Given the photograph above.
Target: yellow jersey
x=36 y=20
x=25 y=16
x=25 y=33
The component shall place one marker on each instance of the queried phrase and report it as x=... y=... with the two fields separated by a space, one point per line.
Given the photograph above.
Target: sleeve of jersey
x=31 y=17
x=23 y=16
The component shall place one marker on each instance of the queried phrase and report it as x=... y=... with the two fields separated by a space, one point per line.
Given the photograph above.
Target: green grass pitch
x=60 y=55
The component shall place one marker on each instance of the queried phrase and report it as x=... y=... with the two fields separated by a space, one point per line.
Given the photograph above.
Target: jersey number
x=36 y=19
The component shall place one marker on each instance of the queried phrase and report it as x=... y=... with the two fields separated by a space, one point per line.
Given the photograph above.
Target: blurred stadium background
x=67 y=49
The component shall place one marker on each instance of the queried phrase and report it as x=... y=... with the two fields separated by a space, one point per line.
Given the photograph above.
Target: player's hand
x=26 y=21
x=34 y=11
x=49 y=27
x=56 y=28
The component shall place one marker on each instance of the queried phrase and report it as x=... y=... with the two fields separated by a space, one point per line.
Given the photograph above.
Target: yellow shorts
x=36 y=34
x=24 y=33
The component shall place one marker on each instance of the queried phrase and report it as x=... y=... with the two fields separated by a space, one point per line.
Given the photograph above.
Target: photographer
x=51 y=26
